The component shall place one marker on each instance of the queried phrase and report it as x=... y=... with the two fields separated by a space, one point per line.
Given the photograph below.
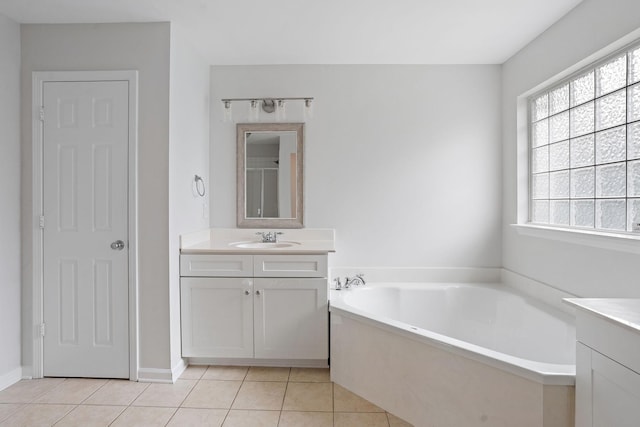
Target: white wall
x=9 y=200
x=188 y=156
x=583 y=271
x=403 y=161
x=142 y=47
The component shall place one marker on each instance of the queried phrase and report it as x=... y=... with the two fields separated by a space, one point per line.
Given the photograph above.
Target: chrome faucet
x=338 y=283
x=269 y=236
x=357 y=280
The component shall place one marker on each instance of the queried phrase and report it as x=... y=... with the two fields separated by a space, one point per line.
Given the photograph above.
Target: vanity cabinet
x=244 y=307
x=607 y=363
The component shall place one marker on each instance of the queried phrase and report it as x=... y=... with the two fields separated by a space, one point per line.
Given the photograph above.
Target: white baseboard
x=177 y=370
x=10 y=378
x=155 y=375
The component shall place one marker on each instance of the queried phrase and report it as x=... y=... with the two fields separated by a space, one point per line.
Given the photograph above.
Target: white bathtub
x=455 y=354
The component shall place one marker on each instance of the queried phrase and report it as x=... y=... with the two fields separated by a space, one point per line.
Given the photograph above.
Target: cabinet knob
x=246 y=292
x=257 y=292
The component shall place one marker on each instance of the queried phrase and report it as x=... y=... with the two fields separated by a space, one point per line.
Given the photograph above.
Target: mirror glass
x=269 y=175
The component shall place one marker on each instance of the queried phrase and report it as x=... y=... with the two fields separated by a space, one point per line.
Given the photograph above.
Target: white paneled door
x=85 y=182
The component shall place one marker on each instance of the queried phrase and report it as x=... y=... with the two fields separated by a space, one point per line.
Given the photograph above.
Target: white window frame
x=620 y=241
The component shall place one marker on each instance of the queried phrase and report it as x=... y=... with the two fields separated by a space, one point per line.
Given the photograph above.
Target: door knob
x=118 y=245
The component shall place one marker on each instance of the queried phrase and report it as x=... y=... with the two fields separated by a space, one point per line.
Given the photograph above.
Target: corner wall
x=580 y=270
x=142 y=47
x=10 y=363
x=188 y=156
x=403 y=161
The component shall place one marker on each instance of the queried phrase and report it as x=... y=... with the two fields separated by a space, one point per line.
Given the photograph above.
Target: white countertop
x=220 y=241
x=624 y=311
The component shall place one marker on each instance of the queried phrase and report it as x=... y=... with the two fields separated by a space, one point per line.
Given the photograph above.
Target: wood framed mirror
x=269 y=175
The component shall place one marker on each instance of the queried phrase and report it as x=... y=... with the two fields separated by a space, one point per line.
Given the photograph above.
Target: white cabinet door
x=291 y=318
x=607 y=393
x=217 y=317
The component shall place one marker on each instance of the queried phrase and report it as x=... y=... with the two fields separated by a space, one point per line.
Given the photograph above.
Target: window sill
x=602 y=240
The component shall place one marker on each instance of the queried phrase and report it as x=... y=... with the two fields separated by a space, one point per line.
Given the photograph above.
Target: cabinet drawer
x=216 y=265
x=290 y=265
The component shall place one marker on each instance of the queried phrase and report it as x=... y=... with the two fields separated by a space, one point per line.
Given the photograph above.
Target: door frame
x=37 y=253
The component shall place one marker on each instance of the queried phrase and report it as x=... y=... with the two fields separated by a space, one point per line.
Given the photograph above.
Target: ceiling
x=243 y=32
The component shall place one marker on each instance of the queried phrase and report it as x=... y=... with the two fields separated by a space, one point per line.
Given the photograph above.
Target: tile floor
x=203 y=396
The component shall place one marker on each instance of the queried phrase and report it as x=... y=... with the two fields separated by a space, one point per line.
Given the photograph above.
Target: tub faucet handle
x=338 y=284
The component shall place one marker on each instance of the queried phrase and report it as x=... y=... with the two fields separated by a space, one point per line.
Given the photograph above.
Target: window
x=584 y=148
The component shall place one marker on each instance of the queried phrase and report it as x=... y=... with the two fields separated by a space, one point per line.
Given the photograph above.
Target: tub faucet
x=338 y=283
x=357 y=281
x=269 y=236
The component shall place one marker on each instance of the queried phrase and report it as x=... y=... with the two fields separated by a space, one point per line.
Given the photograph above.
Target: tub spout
x=357 y=281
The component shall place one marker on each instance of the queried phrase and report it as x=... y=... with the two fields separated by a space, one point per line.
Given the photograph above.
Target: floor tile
x=198 y=417
x=91 y=415
x=144 y=417
x=361 y=419
x=7 y=409
x=212 y=394
x=266 y=395
x=170 y=395
x=117 y=392
x=225 y=373
x=346 y=401
x=37 y=415
x=72 y=391
x=257 y=373
x=193 y=372
x=241 y=418
x=309 y=397
x=306 y=419
x=309 y=375
x=26 y=391
x=397 y=422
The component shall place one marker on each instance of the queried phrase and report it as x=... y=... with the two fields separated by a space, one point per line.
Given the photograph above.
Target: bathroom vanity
x=244 y=301
x=607 y=362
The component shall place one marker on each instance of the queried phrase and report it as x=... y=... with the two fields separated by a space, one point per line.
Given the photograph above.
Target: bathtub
x=455 y=354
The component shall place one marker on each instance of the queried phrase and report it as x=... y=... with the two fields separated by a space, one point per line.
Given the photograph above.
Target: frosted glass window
x=611 y=76
x=559 y=212
x=541 y=109
x=559 y=156
x=559 y=100
x=583 y=89
x=611 y=180
x=611 y=145
x=540 y=211
x=633 y=179
x=559 y=185
x=541 y=159
x=559 y=127
x=634 y=66
x=582 y=151
x=611 y=110
x=582 y=213
x=633 y=141
x=541 y=186
x=582 y=119
x=633 y=99
x=633 y=212
x=584 y=147
x=611 y=214
x=541 y=133
x=583 y=183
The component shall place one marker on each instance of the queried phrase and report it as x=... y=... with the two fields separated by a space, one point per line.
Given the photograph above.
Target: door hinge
x=42 y=114
x=41 y=221
x=42 y=330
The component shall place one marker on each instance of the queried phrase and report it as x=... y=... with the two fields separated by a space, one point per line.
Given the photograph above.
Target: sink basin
x=263 y=245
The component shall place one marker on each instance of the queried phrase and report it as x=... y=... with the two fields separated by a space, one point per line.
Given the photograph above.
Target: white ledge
x=598 y=239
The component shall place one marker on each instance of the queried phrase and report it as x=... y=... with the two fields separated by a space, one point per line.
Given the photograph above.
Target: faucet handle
x=338 y=284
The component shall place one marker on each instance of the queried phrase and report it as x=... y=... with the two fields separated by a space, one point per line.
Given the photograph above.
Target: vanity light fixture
x=269 y=105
